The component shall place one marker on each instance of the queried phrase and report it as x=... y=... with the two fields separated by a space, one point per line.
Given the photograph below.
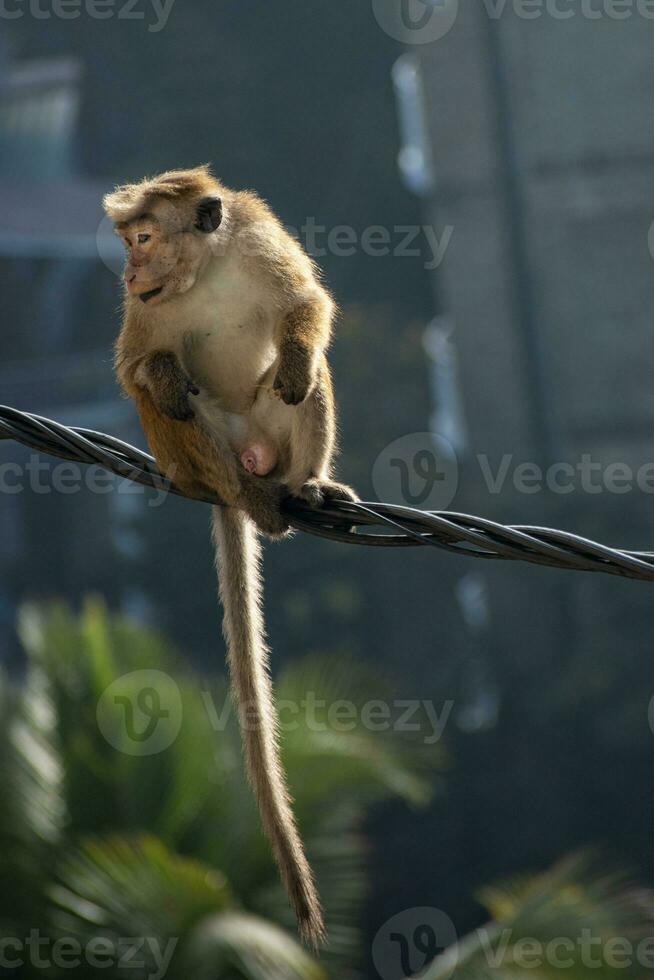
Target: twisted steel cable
x=379 y=524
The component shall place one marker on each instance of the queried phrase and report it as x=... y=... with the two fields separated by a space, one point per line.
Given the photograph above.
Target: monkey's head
x=167 y=225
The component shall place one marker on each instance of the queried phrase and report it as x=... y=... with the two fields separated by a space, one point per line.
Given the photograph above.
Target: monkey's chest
x=222 y=331
x=227 y=357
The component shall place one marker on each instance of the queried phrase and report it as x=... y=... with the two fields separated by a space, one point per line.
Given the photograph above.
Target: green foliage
x=570 y=920
x=103 y=838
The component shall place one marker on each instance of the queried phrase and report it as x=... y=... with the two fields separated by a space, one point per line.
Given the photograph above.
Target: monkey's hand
x=296 y=374
x=170 y=386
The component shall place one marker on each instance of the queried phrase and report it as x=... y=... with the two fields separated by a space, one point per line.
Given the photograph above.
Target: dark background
x=541 y=141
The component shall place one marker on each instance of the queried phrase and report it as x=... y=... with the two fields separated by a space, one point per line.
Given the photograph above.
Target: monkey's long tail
x=238 y=556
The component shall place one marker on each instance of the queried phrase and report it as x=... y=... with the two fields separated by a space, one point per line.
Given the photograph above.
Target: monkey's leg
x=201 y=466
x=197 y=461
x=313 y=440
x=303 y=379
x=191 y=458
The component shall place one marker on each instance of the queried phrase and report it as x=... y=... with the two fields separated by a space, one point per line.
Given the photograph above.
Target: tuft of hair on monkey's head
x=165 y=223
x=183 y=188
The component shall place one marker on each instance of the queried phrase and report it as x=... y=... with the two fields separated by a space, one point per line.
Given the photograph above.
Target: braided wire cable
x=362 y=523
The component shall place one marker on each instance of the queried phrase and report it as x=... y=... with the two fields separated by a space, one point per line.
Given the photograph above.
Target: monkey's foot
x=170 y=386
x=318 y=493
x=262 y=500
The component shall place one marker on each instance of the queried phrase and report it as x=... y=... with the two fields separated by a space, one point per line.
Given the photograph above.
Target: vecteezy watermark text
x=375 y=241
x=42 y=477
x=587 y=475
x=141 y=713
x=318 y=715
x=156 y=13
x=564 y=952
x=424 y=242
x=567 y=9
x=146 y=956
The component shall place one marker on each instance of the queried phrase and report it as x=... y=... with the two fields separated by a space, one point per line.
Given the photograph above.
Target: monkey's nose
x=130 y=276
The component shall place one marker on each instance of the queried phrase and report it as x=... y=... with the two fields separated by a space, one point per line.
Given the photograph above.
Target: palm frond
x=33 y=815
x=249 y=945
x=155 y=828
x=570 y=913
x=332 y=747
x=122 y=887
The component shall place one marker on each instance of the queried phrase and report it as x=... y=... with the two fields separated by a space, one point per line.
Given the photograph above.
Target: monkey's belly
x=253 y=443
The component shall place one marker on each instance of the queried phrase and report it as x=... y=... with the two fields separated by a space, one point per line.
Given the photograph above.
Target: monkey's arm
x=302 y=337
x=303 y=308
x=157 y=372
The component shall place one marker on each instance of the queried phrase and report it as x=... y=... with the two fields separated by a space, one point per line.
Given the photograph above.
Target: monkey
x=225 y=328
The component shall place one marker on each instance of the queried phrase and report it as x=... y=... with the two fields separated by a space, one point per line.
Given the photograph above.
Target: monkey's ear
x=209 y=214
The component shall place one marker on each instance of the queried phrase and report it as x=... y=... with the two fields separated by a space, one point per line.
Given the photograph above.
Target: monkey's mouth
x=151 y=293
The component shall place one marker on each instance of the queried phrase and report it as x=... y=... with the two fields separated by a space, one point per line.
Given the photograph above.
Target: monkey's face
x=168 y=248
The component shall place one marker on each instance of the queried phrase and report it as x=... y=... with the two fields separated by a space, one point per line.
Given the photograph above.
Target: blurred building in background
x=538 y=158
x=527 y=136
x=57 y=311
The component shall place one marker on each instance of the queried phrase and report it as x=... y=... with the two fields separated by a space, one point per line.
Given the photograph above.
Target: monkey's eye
x=143 y=237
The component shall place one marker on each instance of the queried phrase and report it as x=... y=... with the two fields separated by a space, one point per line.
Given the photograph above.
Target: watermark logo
x=109 y=246
x=650 y=714
x=416 y=21
x=418 y=470
x=650 y=239
x=410 y=941
x=141 y=712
